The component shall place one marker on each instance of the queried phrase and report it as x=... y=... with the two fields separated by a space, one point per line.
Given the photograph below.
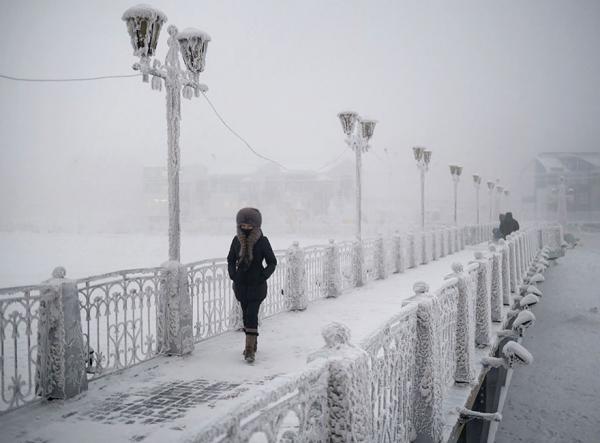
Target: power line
x=75 y=79
x=210 y=103
x=242 y=139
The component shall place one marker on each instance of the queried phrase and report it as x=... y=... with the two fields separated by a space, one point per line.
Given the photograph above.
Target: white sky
x=486 y=84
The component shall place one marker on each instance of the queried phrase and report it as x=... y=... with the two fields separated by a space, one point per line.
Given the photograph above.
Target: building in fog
x=581 y=171
x=286 y=197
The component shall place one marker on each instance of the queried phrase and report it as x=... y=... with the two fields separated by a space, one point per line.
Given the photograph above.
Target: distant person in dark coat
x=508 y=225
x=249 y=248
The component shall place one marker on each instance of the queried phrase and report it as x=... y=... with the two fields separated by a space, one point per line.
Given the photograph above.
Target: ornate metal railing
x=314 y=263
x=346 y=252
x=447 y=297
x=391 y=352
x=118 y=316
x=19 y=315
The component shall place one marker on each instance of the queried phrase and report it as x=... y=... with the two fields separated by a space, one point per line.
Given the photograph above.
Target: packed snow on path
x=557 y=398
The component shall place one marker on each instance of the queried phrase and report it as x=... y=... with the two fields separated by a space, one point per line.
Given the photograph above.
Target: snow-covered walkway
x=557 y=398
x=168 y=399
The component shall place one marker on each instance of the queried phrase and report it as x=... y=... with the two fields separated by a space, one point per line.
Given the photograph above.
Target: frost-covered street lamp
x=491 y=185
x=455 y=171
x=358 y=133
x=477 y=183
x=144 y=24
x=423 y=158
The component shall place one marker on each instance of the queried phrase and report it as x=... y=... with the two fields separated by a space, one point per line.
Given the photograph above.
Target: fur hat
x=250 y=216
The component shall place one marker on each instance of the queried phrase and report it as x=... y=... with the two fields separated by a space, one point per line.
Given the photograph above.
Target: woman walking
x=248 y=250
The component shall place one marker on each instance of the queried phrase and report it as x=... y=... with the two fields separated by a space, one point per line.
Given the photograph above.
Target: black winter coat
x=508 y=225
x=251 y=284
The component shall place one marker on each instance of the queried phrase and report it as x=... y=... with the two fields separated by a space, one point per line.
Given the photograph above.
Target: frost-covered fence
x=120 y=310
x=19 y=315
x=118 y=315
x=293 y=408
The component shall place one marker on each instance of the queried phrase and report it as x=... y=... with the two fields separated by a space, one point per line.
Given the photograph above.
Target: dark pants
x=250 y=311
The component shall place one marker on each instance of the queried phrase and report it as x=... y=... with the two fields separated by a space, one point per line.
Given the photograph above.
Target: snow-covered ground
x=28 y=258
x=557 y=398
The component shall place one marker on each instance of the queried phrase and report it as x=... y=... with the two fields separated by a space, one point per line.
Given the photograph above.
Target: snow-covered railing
x=118 y=317
x=19 y=315
x=293 y=407
x=391 y=351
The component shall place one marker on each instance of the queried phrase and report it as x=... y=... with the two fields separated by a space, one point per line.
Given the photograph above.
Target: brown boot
x=249 y=351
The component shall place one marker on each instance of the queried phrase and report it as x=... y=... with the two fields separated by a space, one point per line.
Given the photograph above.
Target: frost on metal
x=358 y=268
x=512 y=263
x=60 y=369
x=412 y=254
x=391 y=380
x=399 y=253
x=428 y=389
x=483 y=319
x=380 y=269
x=175 y=334
x=295 y=284
x=333 y=275
x=496 y=286
x=465 y=336
x=506 y=295
x=348 y=399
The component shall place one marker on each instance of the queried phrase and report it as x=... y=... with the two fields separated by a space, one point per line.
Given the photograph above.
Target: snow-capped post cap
x=420 y=288
x=336 y=335
x=516 y=353
x=59 y=272
x=529 y=300
x=457 y=267
x=143 y=24
x=193 y=44
x=523 y=321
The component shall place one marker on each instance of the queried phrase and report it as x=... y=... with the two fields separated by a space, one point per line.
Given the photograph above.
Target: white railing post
x=62 y=352
x=427 y=386
x=464 y=371
x=399 y=253
x=412 y=259
x=512 y=263
x=175 y=333
x=443 y=243
x=496 y=289
x=483 y=319
x=434 y=246
x=358 y=268
x=295 y=291
x=333 y=275
x=380 y=271
x=505 y=251
x=349 y=412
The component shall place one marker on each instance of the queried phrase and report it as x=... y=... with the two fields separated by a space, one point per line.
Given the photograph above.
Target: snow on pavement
x=557 y=398
x=214 y=379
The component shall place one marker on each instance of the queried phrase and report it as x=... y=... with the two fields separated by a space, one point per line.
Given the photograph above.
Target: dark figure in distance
x=248 y=250
x=508 y=225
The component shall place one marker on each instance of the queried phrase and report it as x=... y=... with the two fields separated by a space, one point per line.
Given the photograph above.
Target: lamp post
x=144 y=24
x=507 y=199
x=477 y=183
x=358 y=133
x=499 y=191
x=423 y=158
x=491 y=185
x=455 y=171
